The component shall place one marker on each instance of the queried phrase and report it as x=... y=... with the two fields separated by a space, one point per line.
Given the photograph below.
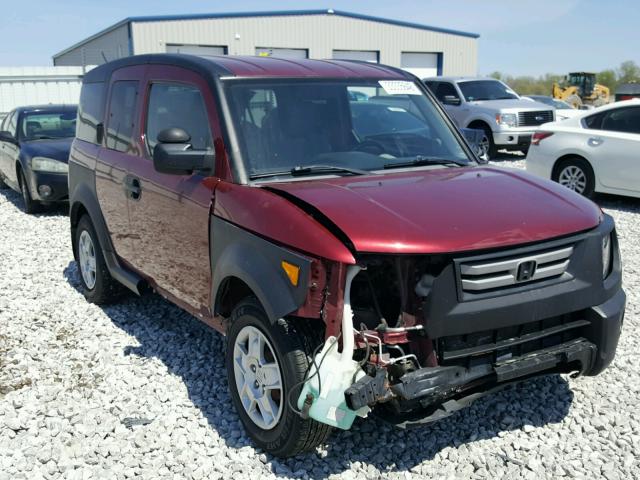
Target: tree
x=628 y=72
x=608 y=78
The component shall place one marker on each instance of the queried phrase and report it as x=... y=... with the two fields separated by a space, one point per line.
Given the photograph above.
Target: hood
x=58 y=148
x=513 y=104
x=444 y=210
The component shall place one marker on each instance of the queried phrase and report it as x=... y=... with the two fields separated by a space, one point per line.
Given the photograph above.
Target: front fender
x=237 y=253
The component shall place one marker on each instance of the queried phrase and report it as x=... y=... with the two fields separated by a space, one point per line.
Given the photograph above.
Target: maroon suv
x=306 y=205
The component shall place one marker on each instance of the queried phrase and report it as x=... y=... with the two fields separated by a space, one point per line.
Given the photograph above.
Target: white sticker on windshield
x=399 y=87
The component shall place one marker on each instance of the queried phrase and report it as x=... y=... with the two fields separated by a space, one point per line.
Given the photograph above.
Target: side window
x=593 y=122
x=625 y=120
x=432 y=86
x=446 y=89
x=12 y=123
x=90 y=111
x=181 y=106
x=122 y=107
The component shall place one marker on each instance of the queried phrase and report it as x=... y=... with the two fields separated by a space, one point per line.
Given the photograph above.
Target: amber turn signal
x=292 y=272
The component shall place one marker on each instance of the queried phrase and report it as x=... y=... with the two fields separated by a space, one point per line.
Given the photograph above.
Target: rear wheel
x=97 y=284
x=30 y=205
x=264 y=362
x=576 y=174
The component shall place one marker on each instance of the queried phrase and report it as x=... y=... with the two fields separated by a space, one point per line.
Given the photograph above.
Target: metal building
x=422 y=49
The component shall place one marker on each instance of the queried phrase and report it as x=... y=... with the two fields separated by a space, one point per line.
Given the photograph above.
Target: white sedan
x=598 y=151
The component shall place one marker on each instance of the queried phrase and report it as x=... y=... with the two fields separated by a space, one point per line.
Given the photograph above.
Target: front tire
x=264 y=362
x=576 y=174
x=97 y=284
x=487 y=144
x=30 y=205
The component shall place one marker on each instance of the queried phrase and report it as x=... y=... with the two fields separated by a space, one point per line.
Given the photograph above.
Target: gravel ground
x=139 y=390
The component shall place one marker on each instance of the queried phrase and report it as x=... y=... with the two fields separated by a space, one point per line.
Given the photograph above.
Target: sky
x=517 y=37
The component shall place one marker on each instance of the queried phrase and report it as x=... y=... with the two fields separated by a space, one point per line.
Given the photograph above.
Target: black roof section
x=204 y=66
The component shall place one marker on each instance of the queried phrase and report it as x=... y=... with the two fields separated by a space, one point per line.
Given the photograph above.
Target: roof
x=632 y=88
x=53 y=106
x=240 y=66
x=457 y=79
x=274 y=13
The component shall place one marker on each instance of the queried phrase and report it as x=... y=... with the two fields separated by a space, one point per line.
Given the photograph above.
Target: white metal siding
x=320 y=34
x=110 y=45
x=21 y=86
x=296 y=53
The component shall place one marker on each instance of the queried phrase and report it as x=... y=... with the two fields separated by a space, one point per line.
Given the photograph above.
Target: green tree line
x=627 y=72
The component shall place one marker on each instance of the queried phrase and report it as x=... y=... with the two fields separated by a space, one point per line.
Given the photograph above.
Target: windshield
x=50 y=124
x=476 y=90
x=360 y=125
x=558 y=104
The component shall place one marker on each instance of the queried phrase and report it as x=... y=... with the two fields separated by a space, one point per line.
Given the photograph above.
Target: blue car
x=34 y=153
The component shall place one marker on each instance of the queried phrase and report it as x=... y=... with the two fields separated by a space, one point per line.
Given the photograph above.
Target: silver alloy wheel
x=258 y=378
x=574 y=178
x=87 y=259
x=483 y=146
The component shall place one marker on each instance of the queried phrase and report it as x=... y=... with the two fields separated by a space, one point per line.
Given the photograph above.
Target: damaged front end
x=429 y=337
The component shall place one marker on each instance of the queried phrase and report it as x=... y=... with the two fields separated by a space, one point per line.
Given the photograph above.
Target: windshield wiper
x=302 y=170
x=419 y=160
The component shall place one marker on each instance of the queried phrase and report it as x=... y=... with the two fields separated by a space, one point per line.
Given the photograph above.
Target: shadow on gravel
x=195 y=353
x=53 y=210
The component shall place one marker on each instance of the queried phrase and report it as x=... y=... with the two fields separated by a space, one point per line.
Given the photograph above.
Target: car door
x=613 y=146
x=119 y=149
x=10 y=152
x=445 y=93
x=170 y=213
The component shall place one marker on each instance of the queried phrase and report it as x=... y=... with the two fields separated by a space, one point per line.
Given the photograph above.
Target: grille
x=532 y=119
x=503 y=344
x=482 y=276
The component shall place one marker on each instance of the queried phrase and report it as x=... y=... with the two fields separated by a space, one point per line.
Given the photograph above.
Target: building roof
x=274 y=13
x=246 y=66
x=631 y=88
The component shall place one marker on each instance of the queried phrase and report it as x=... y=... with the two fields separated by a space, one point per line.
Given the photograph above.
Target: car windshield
x=476 y=90
x=50 y=124
x=351 y=126
x=557 y=104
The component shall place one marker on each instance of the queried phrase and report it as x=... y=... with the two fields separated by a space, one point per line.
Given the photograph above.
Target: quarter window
x=181 y=106
x=90 y=111
x=122 y=107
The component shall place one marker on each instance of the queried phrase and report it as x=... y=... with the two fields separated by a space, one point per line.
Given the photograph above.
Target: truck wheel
x=30 y=205
x=576 y=174
x=486 y=143
x=97 y=284
x=264 y=362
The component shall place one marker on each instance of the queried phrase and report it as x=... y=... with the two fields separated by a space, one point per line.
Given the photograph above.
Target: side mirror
x=7 y=137
x=451 y=100
x=174 y=155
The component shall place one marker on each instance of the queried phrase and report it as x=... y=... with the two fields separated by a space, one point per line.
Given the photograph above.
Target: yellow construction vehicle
x=580 y=88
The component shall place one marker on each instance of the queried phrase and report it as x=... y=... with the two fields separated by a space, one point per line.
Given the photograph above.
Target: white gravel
x=73 y=375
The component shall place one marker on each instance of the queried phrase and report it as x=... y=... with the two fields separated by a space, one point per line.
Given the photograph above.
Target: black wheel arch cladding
x=237 y=253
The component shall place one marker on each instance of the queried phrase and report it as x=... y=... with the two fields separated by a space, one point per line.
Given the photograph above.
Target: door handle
x=595 y=141
x=132 y=187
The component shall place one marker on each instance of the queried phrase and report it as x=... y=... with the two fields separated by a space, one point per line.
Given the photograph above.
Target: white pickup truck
x=489 y=105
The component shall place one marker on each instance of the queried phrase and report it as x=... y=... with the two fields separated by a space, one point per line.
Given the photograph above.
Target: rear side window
x=626 y=120
x=593 y=122
x=446 y=90
x=90 y=111
x=181 y=106
x=122 y=107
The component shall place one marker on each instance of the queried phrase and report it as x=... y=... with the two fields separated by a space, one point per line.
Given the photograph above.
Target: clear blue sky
x=529 y=37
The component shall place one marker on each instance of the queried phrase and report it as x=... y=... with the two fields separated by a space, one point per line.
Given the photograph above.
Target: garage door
x=422 y=65
x=296 y=53
x=362 y=55
x=196 y=49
